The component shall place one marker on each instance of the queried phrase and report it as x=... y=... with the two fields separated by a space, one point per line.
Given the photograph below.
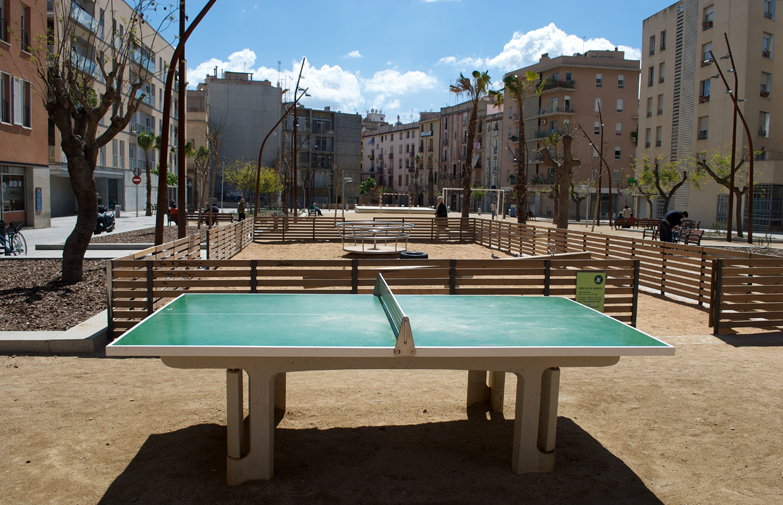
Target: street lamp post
x=346 y=180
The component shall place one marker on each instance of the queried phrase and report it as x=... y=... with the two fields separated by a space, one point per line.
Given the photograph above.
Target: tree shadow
x=454 y=462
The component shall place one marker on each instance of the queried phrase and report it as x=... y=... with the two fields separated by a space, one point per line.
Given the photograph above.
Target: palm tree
x=147 y=142
x=476 y=89
x=518 y=88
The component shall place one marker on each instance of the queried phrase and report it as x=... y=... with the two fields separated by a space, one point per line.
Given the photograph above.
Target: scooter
x=105 y=220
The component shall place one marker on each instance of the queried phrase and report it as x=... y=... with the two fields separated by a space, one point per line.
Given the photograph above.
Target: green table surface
x=317 y=321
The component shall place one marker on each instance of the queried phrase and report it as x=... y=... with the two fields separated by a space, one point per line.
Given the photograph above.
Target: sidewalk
x=63 y=226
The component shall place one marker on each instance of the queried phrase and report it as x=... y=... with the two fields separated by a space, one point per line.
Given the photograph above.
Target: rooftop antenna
x=278 y=72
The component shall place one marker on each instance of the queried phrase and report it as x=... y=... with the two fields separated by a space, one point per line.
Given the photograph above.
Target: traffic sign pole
x=137 y=180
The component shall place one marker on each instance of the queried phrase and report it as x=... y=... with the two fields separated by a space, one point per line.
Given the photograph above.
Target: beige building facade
x=575 y=89
x=685 y=111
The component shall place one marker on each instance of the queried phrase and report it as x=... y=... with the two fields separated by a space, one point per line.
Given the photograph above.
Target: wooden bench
x=216 y=217
x=625 y=222
x=172 y=215
x=691 y=236
x=648 y=224
x=653 y=233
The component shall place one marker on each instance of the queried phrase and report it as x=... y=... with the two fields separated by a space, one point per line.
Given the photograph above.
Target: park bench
x=626 y=222
x=648 y=224
x=216 y=217
x=690 y=236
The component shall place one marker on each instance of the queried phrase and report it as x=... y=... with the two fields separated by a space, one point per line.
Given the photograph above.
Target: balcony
x=149 y=99
x=702 y=135
x=764 y=94
x=766 y=53
x=426 y=134
x=550 y=84
x=556 y=110
x=704 y=98
x=136 y=128
x=81 y=17
x=706 y=25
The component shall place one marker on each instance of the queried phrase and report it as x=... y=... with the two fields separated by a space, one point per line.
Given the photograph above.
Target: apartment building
x=24 y=169
x=429 y=185
x=578 y=91
x=393 y=151
x=685 y=110
x=122 y=158
x=454 y=148
x=328 y=152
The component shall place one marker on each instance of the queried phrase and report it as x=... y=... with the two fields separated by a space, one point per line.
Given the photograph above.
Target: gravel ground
x=33 y=297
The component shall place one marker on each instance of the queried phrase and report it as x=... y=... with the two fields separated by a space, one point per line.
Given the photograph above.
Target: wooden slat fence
x=224 y=242
x=747 y=293
x=140 y=287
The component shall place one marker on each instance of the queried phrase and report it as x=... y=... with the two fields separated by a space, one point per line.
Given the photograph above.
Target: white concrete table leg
x=234 y=413
x=497 y=388
x=478 y=391
x=258 y=463
x=528 y=454
x=547 y=421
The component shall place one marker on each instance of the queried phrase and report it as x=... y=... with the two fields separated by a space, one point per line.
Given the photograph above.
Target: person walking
x=241 y=209
x=668 y=221
x=493 y=209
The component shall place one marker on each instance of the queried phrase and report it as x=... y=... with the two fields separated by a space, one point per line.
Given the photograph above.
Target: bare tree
x=69 y=63
x=564 y=169
x=216 y=131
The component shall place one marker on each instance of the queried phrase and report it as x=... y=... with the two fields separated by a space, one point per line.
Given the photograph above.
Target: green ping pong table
x=267 y=335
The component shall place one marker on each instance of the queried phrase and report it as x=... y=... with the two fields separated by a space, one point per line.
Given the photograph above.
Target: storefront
x=12 y=197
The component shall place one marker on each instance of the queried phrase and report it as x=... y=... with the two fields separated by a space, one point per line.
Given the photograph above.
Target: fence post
x=547 y=275
x=150 y=308
x=253 y=276
x=109 y=288
x=452 y=277
x=355 y=275
x=208 y=234
x=636 y=272
x=715 y=298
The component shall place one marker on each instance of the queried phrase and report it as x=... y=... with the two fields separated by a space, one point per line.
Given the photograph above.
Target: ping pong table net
x=397 y=318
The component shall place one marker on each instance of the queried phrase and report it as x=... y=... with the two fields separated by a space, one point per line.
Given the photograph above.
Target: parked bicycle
x=12 y=240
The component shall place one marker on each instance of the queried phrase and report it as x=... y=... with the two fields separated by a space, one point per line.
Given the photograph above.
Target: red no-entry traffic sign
x=136 y=179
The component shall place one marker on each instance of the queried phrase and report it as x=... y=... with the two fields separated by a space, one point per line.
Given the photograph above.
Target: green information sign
x=590 y=288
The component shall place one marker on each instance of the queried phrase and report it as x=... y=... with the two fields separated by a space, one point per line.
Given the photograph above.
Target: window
x=661 y=71
x=766 y=84
x=658 y=136
x=114 y=153
x=598 y=80
x=567 y=104
x=652 y=45
x=621 y=81
x=704 y=91
x=766 y=45
x=706 y=56
x=103 y=156
x=13 y=190
x=618 y=129
x=25 y=35
x=650 y=76
x=663 y=40
x=598 y=105
x=769 y=9
x=764 y=124
x=618 y=153
x=5 y=97
x=553 y=104
x=122 y=154
x=509 y=133
x=596 y=128
x=3 y=22
x=649 y=106
x=707 y=22
x=660 y=104
x=568 y=76
x=22 y=99
x=647 y=137
x=704 y=126
x=619 y=105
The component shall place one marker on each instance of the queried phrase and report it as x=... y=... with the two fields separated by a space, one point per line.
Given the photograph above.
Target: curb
x=84 y=338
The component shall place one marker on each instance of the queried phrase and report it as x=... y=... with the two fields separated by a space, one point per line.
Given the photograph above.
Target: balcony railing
x=556 y=83
x=702 y=134
x=766 y=53
x=762 y=132
x=704 y=98
x=556 y=110
x=137 y=128
x=706 y=25
x=764 y=94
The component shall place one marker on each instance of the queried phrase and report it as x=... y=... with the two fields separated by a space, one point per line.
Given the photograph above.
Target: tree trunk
x=521 y=186
x=148 y=212
x=468 y=162
x=83 y=185
x=738 y=211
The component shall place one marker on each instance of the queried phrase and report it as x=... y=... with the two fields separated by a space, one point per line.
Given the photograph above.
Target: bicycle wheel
x=19 y=245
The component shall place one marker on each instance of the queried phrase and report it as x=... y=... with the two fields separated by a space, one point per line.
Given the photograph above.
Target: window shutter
x=18 y=100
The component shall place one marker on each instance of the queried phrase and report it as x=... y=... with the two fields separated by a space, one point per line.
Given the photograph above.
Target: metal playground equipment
x=374 y=237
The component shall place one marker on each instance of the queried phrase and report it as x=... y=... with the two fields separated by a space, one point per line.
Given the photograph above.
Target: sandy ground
x=702 y=427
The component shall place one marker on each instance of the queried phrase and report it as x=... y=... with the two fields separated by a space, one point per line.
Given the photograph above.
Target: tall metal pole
x=182 y=224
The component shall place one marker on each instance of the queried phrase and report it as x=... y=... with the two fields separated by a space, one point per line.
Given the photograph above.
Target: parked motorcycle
x=105 y=220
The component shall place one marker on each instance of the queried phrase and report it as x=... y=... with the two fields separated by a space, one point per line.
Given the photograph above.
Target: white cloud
x=526 y=48
x=395 y=83
x=240 y=61
x=353 y=54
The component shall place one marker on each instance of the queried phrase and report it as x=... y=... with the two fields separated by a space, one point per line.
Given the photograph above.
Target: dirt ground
x=702 y=427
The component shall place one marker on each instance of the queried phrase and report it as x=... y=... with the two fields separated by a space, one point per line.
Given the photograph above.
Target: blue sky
x=401 y=55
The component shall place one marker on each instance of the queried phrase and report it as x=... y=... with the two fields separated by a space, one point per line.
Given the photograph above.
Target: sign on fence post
x=590 y=289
